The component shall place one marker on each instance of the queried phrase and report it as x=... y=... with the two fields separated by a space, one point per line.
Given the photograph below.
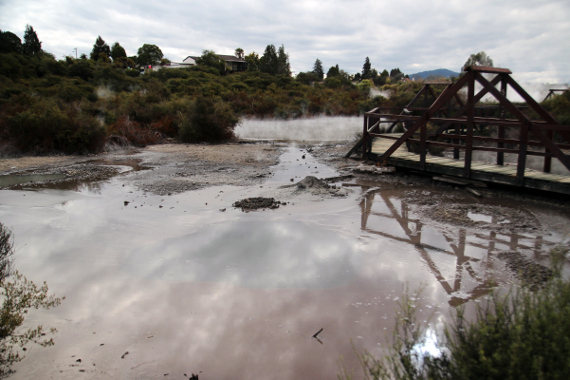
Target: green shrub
x=82 y=69
x=133 y=73
x=333 y=83
x=10 y=66
x=559 y=106
x=45 y=128
x=209 y=121
x=19 y=296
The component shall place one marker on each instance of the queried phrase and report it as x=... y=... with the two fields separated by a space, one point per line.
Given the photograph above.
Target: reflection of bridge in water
x=466 y=256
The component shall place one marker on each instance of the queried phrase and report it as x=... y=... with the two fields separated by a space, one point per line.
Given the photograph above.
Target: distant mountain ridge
x=439 y=73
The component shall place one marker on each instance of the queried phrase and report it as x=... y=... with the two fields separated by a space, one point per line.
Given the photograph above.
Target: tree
x=252 y=60
x=149 y=55
x=479 y=59
x=334 y=71
x=19 y=296
x=366 y=69
x=101 y=50
x=268 y=61
x=396 y=75
x=318 y=69
x=283 y=67
x=10 y=43
x=275 y=62
x=209 y=58
x=32 y=45
x=117 y=51
x=382 y=78
x=239 y=53
x=307 y=78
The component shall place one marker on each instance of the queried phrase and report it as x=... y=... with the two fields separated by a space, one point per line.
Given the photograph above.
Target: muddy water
x=186 y=283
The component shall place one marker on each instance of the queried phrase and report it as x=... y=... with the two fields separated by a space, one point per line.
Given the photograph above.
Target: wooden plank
x=474 y=192
x=482 y=171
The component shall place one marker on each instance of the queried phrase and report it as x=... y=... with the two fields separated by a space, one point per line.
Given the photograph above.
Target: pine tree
x=283 y=67
x=268 y=62
x=366 y=69
x=100 y=50
x=32 y=45
x=318 y=69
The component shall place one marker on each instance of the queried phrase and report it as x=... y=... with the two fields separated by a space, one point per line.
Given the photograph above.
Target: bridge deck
x=505 y=175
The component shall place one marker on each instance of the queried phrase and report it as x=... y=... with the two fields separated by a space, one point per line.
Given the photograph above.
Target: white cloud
x=527 y=36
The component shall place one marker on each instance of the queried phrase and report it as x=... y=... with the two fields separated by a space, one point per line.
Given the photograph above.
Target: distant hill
x=445 y=73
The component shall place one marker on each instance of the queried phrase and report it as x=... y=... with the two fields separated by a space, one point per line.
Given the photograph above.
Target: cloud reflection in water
x=257 y=254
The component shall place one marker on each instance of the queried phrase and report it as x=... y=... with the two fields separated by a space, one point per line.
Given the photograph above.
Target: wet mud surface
x=165 y=275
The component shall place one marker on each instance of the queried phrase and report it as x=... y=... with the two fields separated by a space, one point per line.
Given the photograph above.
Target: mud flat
x=164 y=277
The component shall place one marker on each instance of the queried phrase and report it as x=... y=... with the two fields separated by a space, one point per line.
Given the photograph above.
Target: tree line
x=77 y=105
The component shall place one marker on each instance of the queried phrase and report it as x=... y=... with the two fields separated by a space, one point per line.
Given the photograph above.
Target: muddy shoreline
x=169 y=169
x=184 y=254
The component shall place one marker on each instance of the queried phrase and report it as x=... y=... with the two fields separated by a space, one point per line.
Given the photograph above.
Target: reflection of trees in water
x=6 y=252
x=92 y=186
x=464 y=264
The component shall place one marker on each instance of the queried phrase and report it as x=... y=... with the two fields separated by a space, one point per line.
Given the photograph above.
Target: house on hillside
x=233 y=63
x=188 y=62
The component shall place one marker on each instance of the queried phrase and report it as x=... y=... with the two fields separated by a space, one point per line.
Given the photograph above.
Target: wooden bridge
x=440 y=134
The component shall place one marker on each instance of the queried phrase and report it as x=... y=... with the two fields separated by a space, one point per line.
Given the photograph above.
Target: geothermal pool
x=172 y=285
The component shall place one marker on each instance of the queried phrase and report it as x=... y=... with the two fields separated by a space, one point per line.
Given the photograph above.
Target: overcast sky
x=530 y=37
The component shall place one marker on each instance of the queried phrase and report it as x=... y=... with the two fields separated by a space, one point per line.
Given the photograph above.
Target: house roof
x=230 y=58
x=227 y=58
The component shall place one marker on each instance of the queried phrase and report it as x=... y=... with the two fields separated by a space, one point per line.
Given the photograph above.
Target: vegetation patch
x=20 y=296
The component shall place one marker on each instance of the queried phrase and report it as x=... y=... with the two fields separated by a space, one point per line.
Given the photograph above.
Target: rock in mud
x=251 y=204
x=529 y=272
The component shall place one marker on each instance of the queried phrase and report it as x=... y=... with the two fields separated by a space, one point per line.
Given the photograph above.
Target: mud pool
x=187 y=284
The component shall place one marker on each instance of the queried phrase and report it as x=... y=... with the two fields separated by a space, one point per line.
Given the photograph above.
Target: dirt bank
x=159 y=169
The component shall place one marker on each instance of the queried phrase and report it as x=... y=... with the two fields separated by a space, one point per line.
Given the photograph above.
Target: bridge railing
x=461 y=128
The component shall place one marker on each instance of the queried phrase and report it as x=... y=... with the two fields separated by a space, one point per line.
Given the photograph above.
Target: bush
x=209 y=122
x=19 y=296
x=559 y=106
x=521 y=335
x=10 y=65
x=46 y=128
x=81 y=69
x=126 y=132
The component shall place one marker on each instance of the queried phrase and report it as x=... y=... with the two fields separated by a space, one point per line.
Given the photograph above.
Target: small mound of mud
x=532 y=274
x=251 y=204
x=315 y=186
x=312 y=183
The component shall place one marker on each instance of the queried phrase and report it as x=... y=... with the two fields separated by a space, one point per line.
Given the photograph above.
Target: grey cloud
x=527 y=36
